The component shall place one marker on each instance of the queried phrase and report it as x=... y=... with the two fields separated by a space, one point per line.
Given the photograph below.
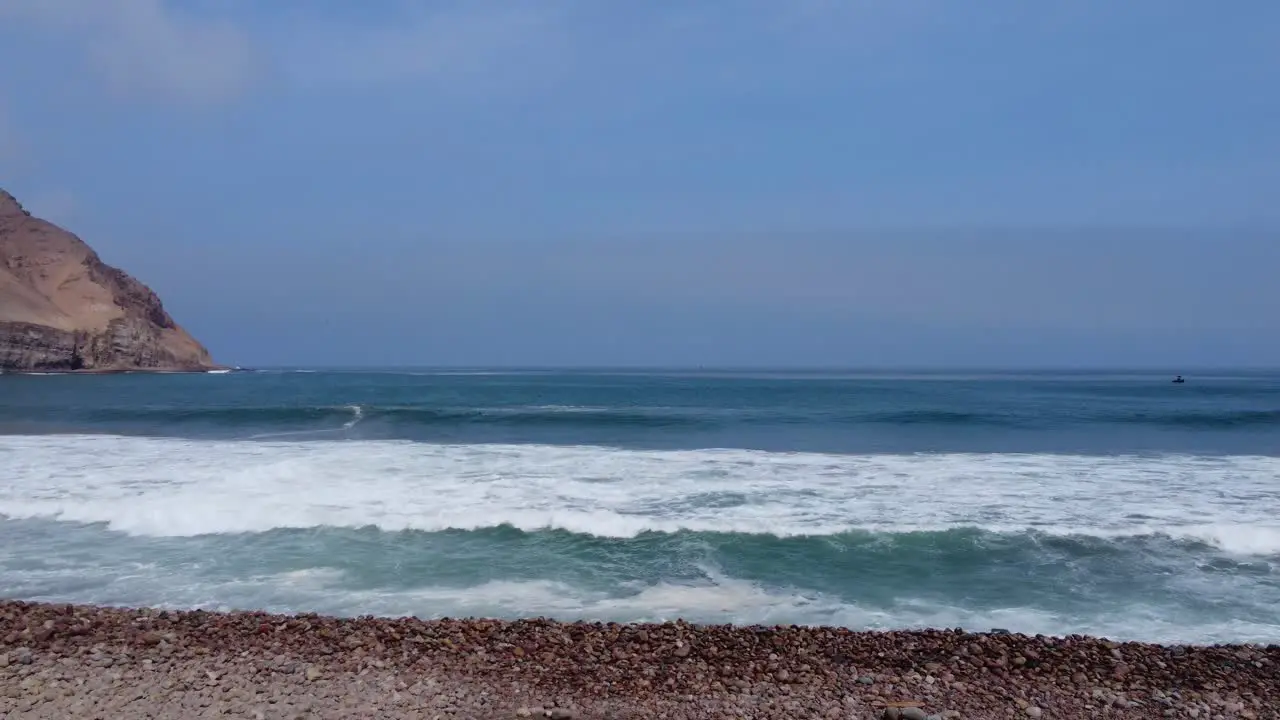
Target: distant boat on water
x=1178 y=380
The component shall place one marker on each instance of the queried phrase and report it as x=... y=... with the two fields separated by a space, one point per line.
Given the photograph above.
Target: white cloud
x=211 y=51
x=148 y=47
x=459 y=45
x=203 y=53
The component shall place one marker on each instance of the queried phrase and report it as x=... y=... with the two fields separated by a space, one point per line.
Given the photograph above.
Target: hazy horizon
x=920 y=371
x=813 y=184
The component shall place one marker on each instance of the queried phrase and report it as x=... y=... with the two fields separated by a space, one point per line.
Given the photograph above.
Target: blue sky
x=916 y=182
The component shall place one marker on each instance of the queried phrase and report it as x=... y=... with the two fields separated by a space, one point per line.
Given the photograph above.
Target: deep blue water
x=819 y=412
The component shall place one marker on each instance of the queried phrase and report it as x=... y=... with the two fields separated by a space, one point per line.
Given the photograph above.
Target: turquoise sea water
x=1117 y=504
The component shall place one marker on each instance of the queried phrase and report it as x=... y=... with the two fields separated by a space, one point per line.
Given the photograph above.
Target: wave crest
x=167 y=487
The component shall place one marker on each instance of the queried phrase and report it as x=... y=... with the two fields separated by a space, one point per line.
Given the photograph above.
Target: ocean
x=1115 y=504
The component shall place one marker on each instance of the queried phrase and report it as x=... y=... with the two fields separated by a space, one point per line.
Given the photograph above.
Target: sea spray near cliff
x=768 y=501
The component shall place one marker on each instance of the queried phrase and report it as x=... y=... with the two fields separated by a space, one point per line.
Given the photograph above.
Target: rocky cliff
x=63 y=309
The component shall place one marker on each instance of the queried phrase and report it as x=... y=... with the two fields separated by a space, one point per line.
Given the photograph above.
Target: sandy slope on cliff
x=62 y=308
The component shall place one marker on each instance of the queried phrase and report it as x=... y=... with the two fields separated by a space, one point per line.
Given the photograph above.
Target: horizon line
x=787 y=368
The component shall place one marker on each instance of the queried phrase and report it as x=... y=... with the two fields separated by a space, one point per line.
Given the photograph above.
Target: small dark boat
x=1178 y=380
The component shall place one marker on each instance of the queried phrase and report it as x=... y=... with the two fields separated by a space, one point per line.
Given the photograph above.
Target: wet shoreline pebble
x=70 y=661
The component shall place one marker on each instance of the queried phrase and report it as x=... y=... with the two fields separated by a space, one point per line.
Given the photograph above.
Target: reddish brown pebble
x=70 y=661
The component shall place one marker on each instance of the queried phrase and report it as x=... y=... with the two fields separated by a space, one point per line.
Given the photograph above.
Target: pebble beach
x=70 y=661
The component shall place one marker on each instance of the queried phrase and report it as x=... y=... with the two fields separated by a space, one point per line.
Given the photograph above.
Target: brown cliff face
x=63 y=309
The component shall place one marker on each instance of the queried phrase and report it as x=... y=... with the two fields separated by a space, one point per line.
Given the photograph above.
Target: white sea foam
x=170 y=487
x=718 y=599
x=357 y=414
x=728 y=600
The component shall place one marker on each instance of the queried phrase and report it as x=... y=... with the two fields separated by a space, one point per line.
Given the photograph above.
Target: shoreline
x=253 y=664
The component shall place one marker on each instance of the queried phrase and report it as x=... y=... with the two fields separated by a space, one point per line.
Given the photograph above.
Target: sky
x=919 y=183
